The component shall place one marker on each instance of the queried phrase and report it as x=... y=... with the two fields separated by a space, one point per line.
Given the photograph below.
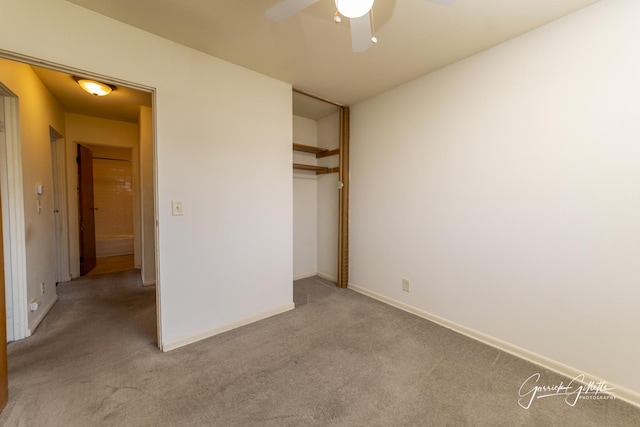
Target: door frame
x=343 y=189
x=343 y=221
x=58 y=170
x=16 y=266
x=14 y=237
x=4 y=367
x=86 y=209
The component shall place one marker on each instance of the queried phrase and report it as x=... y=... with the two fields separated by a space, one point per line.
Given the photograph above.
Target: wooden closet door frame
x=343 y=221
x=343 y=179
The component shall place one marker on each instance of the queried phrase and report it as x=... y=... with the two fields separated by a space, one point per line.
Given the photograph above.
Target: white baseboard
x=36 y=322
x=327 y=276
x=181 y=342
x=317 y=273
x=304 y=276
x=147 y=282
x=621 y=393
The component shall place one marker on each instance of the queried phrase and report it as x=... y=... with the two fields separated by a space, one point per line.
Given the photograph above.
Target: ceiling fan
x=358 y=11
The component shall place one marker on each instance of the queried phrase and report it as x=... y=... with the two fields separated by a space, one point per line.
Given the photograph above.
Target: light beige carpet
x=340 y=359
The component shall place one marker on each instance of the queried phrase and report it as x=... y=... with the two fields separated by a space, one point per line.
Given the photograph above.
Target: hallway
x=94 y=334
x=112 y=264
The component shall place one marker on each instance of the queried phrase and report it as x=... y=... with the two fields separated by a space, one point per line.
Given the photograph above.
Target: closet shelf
x=319 y=170
x=318 y=151
x=308 y=148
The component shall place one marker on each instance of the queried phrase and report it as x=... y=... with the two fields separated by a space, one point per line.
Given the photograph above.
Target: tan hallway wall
x=38 y=110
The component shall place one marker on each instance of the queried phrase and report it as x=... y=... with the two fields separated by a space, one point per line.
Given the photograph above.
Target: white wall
x=38 y=110
x=315 y=200
x=328 y=199
x=305 y=191
x=98 y=131
x=505 y=187
x=223 y=149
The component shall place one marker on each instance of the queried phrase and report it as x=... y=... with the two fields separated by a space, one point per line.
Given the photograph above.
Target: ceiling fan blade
x=360 y=33
x=442 y=2
x=287 y=8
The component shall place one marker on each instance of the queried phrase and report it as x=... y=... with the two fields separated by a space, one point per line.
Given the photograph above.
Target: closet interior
x=320 y=188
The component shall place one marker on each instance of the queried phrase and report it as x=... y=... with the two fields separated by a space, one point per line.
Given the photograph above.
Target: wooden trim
x=319 y=170
x=309 y=149
x=343 y=221
x=319 y=98
x=311 y=167
x=329 y=170
x=328 y=153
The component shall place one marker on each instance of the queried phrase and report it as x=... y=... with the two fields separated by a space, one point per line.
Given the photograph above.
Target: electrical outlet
x=406 y=285
x=42 y=288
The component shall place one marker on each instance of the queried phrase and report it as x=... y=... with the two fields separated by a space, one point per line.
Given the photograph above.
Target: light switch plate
x=176 y=208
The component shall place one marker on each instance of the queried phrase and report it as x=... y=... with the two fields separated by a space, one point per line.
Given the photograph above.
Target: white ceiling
x=313 y=54
x=308 y=50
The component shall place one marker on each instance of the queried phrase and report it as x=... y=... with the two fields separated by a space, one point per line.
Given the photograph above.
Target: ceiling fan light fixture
x=94 y=87
x=354 y=8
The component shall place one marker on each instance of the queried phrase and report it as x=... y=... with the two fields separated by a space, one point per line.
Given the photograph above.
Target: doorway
x=106 y=214
x=23 y=296
x=321 y=188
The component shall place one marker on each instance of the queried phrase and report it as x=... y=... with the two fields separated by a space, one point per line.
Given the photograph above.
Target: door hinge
x=78 y=159
x=1 y=126
x=81 y=259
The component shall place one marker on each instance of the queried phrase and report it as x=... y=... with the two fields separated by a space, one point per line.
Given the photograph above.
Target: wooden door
x=86 y=210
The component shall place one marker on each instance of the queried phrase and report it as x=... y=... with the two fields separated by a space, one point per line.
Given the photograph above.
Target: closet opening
x=320 y=188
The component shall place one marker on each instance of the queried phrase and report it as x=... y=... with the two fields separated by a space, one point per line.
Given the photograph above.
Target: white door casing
x=11 y=189
x=58 y=168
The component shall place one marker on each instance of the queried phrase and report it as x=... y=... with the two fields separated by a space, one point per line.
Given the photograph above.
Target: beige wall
x=37 y=111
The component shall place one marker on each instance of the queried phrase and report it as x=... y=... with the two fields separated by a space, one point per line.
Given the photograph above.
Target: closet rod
x=319 y=98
